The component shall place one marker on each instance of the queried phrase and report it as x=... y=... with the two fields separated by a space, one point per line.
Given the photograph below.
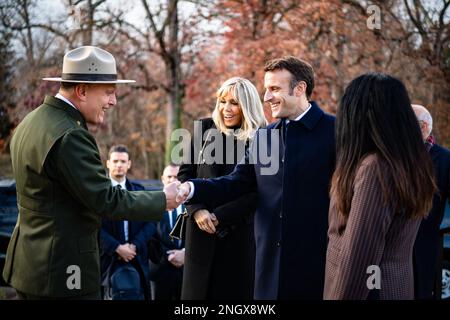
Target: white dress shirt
x=301 y=115
x=170 y=215
x=61 y=97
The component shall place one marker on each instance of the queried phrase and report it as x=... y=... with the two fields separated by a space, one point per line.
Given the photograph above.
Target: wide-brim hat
x=89 y=64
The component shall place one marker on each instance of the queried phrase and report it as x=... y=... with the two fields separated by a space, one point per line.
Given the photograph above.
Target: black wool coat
x=427 y=246
x=219 y=266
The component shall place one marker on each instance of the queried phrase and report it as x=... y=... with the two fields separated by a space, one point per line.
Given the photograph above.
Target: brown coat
x=372 y=234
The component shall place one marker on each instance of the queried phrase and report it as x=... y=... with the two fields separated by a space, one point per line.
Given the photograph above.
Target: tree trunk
x=26 y=16
x=173 y=70
x=87 y=34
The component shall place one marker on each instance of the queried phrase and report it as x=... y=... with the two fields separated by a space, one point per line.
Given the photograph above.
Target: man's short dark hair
x=68 y=85
x=119 y=148
x=300 y=70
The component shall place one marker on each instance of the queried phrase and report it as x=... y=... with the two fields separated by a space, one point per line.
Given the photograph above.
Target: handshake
x=176 y=194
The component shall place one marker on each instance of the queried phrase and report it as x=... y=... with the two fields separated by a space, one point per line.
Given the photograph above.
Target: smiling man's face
x=99 y=98
x=281 y=99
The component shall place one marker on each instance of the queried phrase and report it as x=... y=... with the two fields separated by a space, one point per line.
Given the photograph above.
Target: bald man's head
x=425 y=119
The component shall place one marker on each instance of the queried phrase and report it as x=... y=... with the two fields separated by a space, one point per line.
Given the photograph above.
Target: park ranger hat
x=89 y=64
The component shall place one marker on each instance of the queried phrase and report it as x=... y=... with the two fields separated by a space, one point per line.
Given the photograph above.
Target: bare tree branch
x=159 y=34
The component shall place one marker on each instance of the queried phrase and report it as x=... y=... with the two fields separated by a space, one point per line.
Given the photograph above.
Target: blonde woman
x=220 y=248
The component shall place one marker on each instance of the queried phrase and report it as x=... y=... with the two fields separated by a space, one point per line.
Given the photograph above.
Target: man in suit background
x=291 y=220
x=427 y=246
x=167 y=255
x=62 y=188
x=124 y=243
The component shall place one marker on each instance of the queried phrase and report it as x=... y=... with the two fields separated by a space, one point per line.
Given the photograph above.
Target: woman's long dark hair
x=375 y=116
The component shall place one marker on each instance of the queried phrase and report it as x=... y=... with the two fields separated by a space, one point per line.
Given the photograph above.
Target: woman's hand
x=206 y=221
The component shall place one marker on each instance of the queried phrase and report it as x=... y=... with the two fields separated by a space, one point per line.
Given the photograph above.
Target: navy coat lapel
x=312 y=117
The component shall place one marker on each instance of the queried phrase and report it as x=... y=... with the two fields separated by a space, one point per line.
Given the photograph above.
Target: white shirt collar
x=115 y=183
x=301 y=115
x=61 y=97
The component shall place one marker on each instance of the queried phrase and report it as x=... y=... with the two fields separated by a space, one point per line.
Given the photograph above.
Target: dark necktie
x=174 y=217
x=125 y=223
x=284 y=130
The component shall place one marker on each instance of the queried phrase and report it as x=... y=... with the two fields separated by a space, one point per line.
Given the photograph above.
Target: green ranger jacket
x=62 y=195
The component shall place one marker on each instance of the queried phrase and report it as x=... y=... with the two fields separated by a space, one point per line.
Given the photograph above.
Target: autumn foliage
x=224 y=38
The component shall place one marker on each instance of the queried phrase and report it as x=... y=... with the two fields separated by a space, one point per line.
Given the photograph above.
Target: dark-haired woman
x=382 y=187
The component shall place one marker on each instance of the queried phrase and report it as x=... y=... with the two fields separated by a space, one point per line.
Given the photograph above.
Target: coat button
x=281 y=214
x=279 y=243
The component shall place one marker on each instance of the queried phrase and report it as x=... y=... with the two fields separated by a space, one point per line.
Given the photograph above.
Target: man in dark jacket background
x=124 y=243
x=427 y=246
x=167 y=255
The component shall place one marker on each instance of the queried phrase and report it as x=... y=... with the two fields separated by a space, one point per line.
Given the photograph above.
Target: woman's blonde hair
x=246 y=95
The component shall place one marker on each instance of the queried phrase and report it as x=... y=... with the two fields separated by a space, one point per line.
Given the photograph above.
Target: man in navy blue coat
x=427 y=246
x=291 y=220
x=166 y=254
x=124 y=242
